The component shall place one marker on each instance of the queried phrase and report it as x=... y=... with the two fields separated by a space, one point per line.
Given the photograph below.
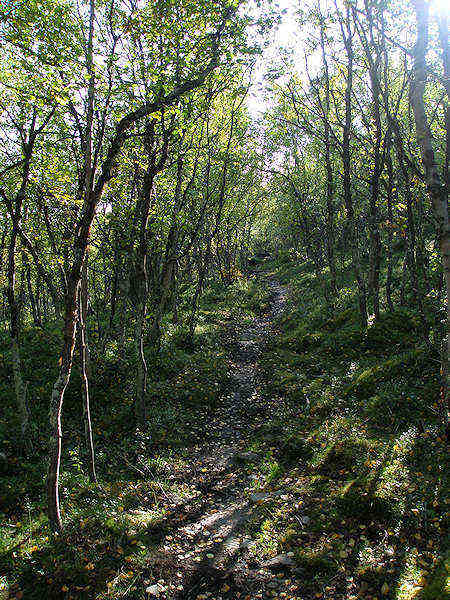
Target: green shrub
x=399 y=327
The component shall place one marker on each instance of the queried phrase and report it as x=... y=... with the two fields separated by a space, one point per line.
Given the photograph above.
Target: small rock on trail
x=278 y=562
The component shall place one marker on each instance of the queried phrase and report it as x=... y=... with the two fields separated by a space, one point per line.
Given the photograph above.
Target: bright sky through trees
x=288 y=35
x=285 y=35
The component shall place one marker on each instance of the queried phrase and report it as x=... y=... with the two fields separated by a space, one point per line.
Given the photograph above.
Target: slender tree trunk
x=57 y=397
x=31 y=294
x=375 y=240
x=92 y=196
x=175 y=317
x=85 y=374
x=390 y=223
x=348 y=200
x=410 y=237
x=114 y=293
x=437 y=188
x=203 y=265
x=170 y=257
x=141 y=368
x=140 y=271
x=15 y=208
x=404 y=280
x=72 y=293
x=329 y=170
x=19 y=383
x=373 y=55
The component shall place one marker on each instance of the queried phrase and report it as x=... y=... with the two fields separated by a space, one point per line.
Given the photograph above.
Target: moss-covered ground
x=351 y=464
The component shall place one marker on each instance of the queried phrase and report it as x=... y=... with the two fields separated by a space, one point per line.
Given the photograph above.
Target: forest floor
x=292 y=455
x=290 y=499
x=206 y=551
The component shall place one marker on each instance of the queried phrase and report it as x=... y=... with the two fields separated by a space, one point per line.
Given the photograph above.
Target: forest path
x=205 y=552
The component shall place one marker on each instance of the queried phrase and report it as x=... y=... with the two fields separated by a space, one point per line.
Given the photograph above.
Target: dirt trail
x=205 y=552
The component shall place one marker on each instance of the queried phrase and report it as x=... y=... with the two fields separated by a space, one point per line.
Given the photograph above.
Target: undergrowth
x=360 y=445
x=113 y=528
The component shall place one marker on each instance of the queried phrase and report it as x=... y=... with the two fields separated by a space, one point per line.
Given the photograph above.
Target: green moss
x=349 y=315
x=365 y=381
x=438 y=585
x=399 y=327
x=348 y=338
x=315 y=563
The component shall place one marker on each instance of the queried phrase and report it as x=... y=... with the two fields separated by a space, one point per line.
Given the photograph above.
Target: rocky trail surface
x=205 y=552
